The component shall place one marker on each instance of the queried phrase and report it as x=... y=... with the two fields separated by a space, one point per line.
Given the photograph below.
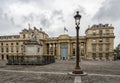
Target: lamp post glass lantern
x=77 y=69
x=77 y=18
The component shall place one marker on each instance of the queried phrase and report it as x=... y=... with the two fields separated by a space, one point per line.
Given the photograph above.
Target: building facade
x=117 y=53
x=98 y=44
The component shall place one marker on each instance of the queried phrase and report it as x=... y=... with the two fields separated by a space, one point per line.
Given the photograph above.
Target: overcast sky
x=53 y=15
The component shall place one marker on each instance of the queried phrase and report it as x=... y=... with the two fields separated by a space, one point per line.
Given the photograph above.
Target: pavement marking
x=61 y=73
x=42 y=72
x=77 y=79
x=104 y=75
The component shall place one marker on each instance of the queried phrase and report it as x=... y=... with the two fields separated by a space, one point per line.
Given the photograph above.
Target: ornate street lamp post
x=77 y=69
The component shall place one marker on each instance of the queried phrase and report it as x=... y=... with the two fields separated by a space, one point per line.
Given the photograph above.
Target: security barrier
x=30 y=60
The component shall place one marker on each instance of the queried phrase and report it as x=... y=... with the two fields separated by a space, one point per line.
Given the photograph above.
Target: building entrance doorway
x=64 y=52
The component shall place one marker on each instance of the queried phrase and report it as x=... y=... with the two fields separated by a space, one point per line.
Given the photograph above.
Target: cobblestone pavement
x=98 y=72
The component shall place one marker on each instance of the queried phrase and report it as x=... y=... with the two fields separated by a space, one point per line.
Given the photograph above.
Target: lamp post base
x=77 y=71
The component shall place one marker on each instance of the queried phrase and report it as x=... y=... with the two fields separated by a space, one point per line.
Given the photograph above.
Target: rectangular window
x=100 y=48
x=17 y=43
x=94 y=56
x=7 y=50
x=1 y=44
x=23 y=35
x=11 y=43
x=93 y=48
x=107 y=32
x=94 y=32
x=107 y=48
x=107 y=39
x=7 y=56
x=107 y=56
x=100 y=40
x=100 y=32
x=2 y=57
x=11 y=49
x=17 y=49
x=2 y=49
x=100 y=56
x=38 y=50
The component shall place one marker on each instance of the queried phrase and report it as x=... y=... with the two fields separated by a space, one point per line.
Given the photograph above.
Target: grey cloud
x=80 y=9
x=6 y=16
x=31 y=16
x=12 y=20
x=44 y=21
x=58 y=14
x=4 y=3
x=6 y=27
x=24 y=18
x=1 y=11
x=7 y=21
x=109 y=11
x=25 y=1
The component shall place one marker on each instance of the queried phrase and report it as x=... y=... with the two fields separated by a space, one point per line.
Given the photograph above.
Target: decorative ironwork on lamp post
x=77 y=69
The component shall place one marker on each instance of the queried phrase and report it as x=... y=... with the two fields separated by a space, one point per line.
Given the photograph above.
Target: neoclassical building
x=98 y=44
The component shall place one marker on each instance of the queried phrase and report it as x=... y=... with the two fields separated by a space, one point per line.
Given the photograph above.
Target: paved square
x=98 y=72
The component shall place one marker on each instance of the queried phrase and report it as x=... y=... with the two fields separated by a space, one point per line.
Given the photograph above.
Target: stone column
x=0 y=56
x=85 y=50
x=69 y=50
x=104 y=52
x=49 y=49
x=4 y=52
x=9 y=48
x=45 y=49
x=97 y=50
x=5 y=58
x=58 y=51
x=55 y=50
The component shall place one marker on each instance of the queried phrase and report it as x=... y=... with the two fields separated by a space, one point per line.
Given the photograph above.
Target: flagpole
x=64 y=30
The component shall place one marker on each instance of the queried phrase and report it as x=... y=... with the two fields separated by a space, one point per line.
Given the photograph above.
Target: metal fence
x=30 y=60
